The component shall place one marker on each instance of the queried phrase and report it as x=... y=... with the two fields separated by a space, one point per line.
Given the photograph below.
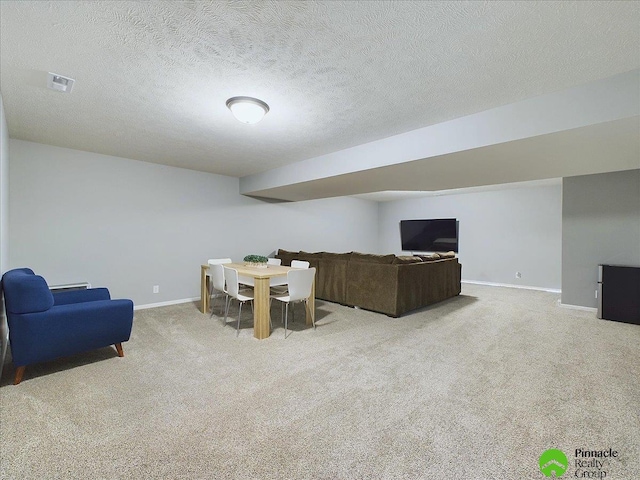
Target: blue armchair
x=45 y=325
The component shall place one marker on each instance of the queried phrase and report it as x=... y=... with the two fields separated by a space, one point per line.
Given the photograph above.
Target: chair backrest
x=231 y=276
x=300 y=283
x=299 y=264
x=218 y=261
x=217 y=276
x=274 y=261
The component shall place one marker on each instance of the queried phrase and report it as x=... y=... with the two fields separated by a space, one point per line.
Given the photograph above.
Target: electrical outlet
x=518 y=275
x=156 y=289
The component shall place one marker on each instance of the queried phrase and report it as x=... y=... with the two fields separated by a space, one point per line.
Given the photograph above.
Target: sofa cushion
x=430 y=258
x=371 y=258
x=403 y=259
x=449 y=254
x=336 y=256
x=306 y=255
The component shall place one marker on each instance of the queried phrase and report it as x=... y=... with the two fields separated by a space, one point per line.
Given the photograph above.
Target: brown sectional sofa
x=387 y=284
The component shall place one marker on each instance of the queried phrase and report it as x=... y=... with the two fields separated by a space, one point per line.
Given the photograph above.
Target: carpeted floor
x=476 y=387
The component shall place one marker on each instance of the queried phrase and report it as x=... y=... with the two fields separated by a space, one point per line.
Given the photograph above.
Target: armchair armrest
x=80 y=296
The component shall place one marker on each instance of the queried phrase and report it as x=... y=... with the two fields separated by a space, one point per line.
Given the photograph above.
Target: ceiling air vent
x=59 y=83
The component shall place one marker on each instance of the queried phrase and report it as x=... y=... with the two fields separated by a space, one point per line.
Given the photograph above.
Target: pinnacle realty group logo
x=554 y=462
x=588 y=463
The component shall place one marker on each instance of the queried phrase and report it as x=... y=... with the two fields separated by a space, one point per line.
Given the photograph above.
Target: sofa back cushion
x=25 y=292
x=404 y=259
x=309 y=255
x=337 y=256
x=430 y=258
x=371 y=258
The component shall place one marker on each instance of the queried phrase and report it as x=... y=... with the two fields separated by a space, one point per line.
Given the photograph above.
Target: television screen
x=436 y=235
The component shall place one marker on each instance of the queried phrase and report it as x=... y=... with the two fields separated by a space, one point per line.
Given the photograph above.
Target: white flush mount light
x=59 y=83
x=247 y=109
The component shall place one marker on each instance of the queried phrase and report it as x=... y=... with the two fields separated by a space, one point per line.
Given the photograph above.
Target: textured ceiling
x=152 y=77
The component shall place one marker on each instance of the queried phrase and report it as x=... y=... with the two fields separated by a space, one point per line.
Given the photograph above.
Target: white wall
x=4 y=224
x=129 y=225
x=600 y=224
x=501 y=232
x=4 y=190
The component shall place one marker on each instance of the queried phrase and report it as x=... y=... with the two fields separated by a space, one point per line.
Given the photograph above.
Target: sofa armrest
x=331 y=280
x=426 y=283
x=68 y=329
x=80 y=296
x=372 y=286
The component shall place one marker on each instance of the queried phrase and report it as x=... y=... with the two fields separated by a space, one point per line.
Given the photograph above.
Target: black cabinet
x=619 y=293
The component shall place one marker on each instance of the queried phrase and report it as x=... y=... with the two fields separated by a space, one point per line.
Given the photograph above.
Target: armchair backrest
x=25 y=292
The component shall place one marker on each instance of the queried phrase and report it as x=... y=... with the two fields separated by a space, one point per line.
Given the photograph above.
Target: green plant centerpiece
x=257 y=261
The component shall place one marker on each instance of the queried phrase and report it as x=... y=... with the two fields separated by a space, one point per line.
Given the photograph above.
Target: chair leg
x=286 y=318
x=212 y=303
x=239 y=316
x=19 y=374
x=119 y=349
x=227 y=301
x=226 y=311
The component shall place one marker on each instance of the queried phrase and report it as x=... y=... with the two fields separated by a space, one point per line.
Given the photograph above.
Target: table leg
x=261 y=327
x=204 y=289
x=311 y=303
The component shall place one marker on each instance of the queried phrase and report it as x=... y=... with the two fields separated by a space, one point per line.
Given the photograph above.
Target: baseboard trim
x=577 y=307
x=509 y=285
x=166 y=304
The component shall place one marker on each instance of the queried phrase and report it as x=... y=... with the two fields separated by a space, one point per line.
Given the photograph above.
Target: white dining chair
x=277 y=284
x=216 y=280
x=279 y=287
x=246 y=281
x=300 y=285
x=299 y=264
x=233 y=290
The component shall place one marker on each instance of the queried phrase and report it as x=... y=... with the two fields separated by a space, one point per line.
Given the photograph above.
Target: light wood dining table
x=261 y=276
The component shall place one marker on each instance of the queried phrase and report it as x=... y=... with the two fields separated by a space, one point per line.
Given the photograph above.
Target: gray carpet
x=476 y=387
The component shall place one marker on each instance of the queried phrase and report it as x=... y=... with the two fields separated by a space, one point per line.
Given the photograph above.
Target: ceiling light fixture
x=247 y=109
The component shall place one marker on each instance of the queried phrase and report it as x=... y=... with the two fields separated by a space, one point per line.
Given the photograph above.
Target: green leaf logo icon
x=553 y=461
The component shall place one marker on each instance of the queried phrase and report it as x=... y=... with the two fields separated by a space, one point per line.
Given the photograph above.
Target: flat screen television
x=435 y=235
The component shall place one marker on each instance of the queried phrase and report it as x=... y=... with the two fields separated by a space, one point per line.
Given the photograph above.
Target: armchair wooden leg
x=119 y=349
x=19 y=373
